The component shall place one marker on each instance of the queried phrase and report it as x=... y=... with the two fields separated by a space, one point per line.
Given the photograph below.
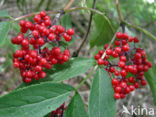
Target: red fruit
x=136 y=84
x=127 y=90
x=66 y=52
x=118 y=35
x=54 y=61
x=137 y=56
x=108 y=51
x=115 y=82
x=51 y=37
x=70 y=31
x=27 y=80
x=123 y=73
x=114 y=54
x=117 y=43
x=118 y=50
x=130 y=68
x=143 y=82
x=100 y=61
x=35 y=33
x=16 y=64
x=125 y=48
x=122 y=96
x=131 y=87
x=117 y=73
x=131 y=79
x=22 y=23
x=33 y=53
x=112 y=70
x=130 y=39
x=40 y=41
x=117 y=89
x=116 y=95
x=124 y=35
x=25 y=43
x=67 y=37
x=42 y=74
x=123 y=84
x=97 y=56
x=43 y=61
x=42 y=13
x=136 y=40
x=65 y=58
x=38 y=68
x=29 y=74
x=121 y=64
x=37 y=18
x=123 y=58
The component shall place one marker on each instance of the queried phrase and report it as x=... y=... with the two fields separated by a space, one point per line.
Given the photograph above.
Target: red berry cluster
x=34 y=56
x=128 y=73
x=59 y=112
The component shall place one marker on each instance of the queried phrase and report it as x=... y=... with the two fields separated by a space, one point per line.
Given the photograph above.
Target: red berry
x=119 y=35
x=100 y=61
x=116 y=95
x=115 y=82
x=70 y=31
x=121 y=64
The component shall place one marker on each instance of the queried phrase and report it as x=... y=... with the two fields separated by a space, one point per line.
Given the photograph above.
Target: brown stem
x=69 y=4
x=76 y=53
x=118 y=10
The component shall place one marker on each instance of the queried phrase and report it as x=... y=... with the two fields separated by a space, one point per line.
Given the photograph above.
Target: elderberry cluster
x=128 y=73
x=59 y=112
x=34 y=56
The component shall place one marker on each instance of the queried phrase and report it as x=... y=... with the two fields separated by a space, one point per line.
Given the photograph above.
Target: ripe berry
x=115 y=82
x=121 y=64
x=116 y=95
x=100 y=61
x=70 y=31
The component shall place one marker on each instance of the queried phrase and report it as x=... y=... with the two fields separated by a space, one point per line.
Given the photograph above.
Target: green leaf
x=4 y=29
x=151 y=79
x=103 y=31
x=101 y=100
x=66 y=21
x=34 y=101
x=73 y=68
x=76 y=108
x=4 y=13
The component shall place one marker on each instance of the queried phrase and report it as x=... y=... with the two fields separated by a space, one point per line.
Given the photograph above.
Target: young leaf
x=4 y=13
x=4 y=29
x=66 y=21
x=76 y=108
x=101 y=100
x=34 y=101
x=103 y=31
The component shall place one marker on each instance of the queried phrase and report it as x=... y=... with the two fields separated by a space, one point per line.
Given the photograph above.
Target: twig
x=69 y=4
x=57 y=11
x=118 y=10
x=142 y=30
x=76 y=53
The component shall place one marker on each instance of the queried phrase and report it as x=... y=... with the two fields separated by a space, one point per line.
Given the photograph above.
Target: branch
x=58 y=11
x=118 y=10
x=142 y=30
x=69 y=4
x=76 y=53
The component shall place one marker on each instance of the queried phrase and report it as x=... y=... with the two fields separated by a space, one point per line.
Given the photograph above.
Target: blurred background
x=139 y=12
